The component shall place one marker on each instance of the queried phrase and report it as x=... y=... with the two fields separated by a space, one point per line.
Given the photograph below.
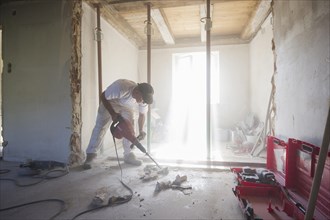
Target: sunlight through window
x=187 y=132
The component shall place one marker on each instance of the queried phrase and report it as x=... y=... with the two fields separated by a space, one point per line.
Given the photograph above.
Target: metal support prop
x=149 y=71
x=319 y=170
x=99 y=49
x=208 y=78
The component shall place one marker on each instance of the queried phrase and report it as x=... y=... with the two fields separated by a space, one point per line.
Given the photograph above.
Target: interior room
x=239 y=117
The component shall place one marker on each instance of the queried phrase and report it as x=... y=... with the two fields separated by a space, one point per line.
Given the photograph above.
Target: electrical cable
x=40 y=177
x=121 y=171
x=113 y=201
x=40 y=201
x=3 y=171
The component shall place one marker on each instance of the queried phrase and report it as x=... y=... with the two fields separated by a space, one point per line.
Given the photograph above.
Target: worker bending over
x=121 y=99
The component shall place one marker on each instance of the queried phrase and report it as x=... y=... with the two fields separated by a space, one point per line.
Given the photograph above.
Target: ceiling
x=181 y=23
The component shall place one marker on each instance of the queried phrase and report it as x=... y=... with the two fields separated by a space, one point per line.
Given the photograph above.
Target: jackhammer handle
x=138 y=138
x=141 y=148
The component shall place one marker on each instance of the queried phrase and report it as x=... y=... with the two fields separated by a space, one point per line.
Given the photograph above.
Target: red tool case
x=282 y=190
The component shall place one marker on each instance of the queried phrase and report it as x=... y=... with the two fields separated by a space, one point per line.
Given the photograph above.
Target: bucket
x=251 y=138
x=222 y=134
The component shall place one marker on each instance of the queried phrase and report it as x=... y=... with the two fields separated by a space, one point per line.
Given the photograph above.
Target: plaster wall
x=36 y=92
x=262 y=70
x=301 y=34
x=119 y=60
x=234 y=81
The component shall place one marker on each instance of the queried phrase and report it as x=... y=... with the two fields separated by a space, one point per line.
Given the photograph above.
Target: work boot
x=131 y=159
x=89 y=159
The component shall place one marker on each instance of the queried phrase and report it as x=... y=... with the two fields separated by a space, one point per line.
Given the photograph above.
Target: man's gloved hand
x=141 y=136
x=116 y=117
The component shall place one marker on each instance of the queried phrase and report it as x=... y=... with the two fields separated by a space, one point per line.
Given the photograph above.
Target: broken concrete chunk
x=176 y=184
x=101 y=196
x=99 y=200
x=150 y=168
x=179 y=179
x=150 y=176
x=151 y=172
x=163 y=171
x=162 y=186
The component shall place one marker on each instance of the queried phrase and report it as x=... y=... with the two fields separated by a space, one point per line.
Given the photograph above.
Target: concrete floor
x=222 y=153
x=211 y=196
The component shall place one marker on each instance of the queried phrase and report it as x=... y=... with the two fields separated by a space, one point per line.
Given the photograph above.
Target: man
x=121 y=98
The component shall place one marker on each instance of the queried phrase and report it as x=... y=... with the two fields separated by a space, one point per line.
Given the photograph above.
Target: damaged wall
x=119 y=60
x=41 y=98
x=301 y=35
x=76 y=156
x=261 y=69
x=36 y=84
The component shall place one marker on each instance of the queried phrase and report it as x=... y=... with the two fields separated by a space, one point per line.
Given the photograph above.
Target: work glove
x=116 y=117
x=141 y=136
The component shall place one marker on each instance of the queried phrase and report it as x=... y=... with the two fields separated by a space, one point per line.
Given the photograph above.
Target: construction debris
x=101 y=197
x=152 y=172
x=245 y=135
x=162 y=186
x=176 y=184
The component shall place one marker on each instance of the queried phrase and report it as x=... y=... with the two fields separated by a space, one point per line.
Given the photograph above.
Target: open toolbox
x=281 y=190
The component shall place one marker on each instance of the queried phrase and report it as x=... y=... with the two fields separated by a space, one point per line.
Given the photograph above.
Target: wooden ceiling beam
x=256 y=20
x=115 y=14
x=139 y=5
x=162 y=25
x=113 y=17
x=113 y=2
x=121 y=25
x=195 y=42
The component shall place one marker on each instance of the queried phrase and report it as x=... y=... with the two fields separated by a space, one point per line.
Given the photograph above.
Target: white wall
x=234 y=84
x=301 y=34
x=234 y=80
x=261 y=69
x=119 y=60
x=36 y=93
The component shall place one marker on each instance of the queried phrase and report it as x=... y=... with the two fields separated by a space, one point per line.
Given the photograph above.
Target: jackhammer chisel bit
x=153 y=161
x=124 y=129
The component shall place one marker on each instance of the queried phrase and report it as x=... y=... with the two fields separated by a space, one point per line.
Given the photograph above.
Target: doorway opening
x=187 y=122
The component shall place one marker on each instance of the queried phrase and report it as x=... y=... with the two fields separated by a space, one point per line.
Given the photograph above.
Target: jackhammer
x=122 y=128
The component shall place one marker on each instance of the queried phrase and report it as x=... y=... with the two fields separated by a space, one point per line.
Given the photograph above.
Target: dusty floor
x=211 y=195
x=222 y=153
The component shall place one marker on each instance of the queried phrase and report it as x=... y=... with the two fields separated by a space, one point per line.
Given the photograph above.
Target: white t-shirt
x=120 y=93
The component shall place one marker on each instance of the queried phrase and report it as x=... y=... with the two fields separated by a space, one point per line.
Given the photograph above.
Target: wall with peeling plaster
x=36 y=93
x=234 y=80
x=119 y=60
x=301 y=34
x=262 y=70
